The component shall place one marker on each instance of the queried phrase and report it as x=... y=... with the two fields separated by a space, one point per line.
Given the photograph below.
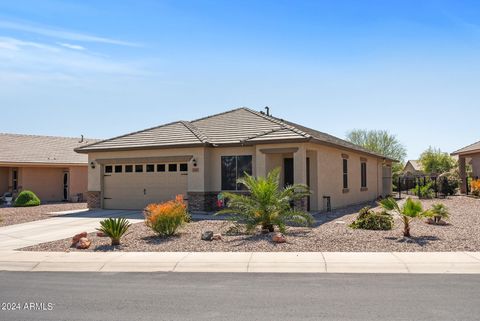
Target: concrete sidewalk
x=281 y=262
x=65 y=225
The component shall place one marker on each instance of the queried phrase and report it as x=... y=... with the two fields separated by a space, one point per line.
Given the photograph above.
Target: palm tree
x=267 y=204
x=439 y=211
x=408 y=212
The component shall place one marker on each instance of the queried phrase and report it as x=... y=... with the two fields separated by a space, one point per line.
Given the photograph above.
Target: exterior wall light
x=92 y=165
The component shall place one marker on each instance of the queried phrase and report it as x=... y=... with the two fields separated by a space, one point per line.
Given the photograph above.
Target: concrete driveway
x=64 y=226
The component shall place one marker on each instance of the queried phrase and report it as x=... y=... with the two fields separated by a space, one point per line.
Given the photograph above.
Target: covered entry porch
x=297 y=166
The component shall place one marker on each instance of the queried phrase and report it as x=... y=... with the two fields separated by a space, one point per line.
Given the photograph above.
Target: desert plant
x=438 y=212
x=475 y=187
x=26 y=198
x=408 y=212
x=371 y=220
x=114 y=228
x=165 y=218
x=449 y=183
x=267 y=205
x=425 y=191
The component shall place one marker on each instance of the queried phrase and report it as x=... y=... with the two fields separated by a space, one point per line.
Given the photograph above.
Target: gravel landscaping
x=17 y=215
x=331 y=234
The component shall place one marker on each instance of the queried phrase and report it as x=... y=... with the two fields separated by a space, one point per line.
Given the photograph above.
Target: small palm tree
x=267 y=204
x=408 y=212
x=439 y=211
x=114 y=228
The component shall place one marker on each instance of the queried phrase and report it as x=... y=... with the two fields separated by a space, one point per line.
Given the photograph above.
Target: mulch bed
x=17 y=215
x=331 y=234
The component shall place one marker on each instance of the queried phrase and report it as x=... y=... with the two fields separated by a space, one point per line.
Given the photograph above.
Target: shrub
x=165 y=218
x=114 y=228
x=449 y=183
x=26 y=198
x=267 y=205
x=370 y=220
x=425 y=191
x=438 y=212
x=475 y=187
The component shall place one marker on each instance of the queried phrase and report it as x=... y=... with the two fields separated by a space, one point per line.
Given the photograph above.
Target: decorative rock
x=207 y=236
x=77 y=237
x=83 y=243
x=101 y=234
x=279 y=238
x=217 y=237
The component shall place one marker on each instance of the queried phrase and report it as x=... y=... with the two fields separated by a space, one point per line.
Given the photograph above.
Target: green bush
x=425 y=191
x=26 y=198
x=114 y=228
x=449 y=183
x=370 y=220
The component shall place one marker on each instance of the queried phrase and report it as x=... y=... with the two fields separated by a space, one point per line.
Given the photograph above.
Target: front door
x=288 y=171
x=65 y=186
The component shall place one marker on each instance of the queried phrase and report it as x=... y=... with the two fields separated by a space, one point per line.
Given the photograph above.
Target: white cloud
x=70 y=46
x=62 y=34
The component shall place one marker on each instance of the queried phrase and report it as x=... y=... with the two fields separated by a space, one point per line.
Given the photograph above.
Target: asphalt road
x=178 y=296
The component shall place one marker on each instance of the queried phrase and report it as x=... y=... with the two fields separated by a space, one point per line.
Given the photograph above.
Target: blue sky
x=104 y=68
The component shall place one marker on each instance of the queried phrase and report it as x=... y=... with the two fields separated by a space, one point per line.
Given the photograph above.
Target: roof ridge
x=279 y=122
x=46 y=136
x=219 y=114
x=195 y=131
x=128 y=134
x=459 y=150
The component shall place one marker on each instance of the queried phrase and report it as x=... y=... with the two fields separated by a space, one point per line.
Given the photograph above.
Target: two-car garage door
x=136 y=186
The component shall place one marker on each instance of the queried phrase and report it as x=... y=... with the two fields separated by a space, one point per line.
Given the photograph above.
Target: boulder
x=101 y=234
x=217 y=237
x=207 y=236
x=279 y=238
x=77 y=237
x=83 y=243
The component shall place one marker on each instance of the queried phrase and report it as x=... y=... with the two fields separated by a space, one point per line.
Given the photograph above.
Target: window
x=345 y=173
x=363 y=170
x=15 y=179
x=172 y=167
x=128 y=168
x=161 y=168
x=118 y=168
x=109 y=169
x=184 y=167
x=150 y=168
x=233 y=168
x=138 y=168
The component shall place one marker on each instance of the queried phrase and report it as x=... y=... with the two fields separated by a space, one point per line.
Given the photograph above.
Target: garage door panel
x=137 y=190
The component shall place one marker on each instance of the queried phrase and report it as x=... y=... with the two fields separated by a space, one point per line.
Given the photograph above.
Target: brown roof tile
x=16 y=148
x=475 y=147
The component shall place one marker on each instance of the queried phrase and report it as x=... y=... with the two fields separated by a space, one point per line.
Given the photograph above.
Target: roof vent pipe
x=81 y=139
x=268 y=110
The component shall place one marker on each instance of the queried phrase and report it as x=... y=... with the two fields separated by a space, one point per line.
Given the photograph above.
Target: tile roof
x=416 y=164
x=238 y=126
x=16 y=148
x=475 y=147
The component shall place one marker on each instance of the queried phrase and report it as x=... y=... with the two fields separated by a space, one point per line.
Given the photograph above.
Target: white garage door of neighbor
x=137 y=190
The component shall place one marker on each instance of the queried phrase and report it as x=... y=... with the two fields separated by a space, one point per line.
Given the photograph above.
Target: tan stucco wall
x=475 y=162
x=78 y=180
x=4 y=180
x=330 y=177
x=47 y=183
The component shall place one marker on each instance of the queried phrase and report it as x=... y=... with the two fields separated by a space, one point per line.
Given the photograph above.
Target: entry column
x=300 y=173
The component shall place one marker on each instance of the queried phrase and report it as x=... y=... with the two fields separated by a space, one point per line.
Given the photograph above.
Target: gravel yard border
x=331 y=234
x=18 y=215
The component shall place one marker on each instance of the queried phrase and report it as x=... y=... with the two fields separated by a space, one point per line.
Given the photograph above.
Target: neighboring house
x=413 y=168
x=468 y=155
x=46 y=165
x=202 y=158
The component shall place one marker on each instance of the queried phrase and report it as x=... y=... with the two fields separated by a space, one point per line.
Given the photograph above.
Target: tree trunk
x=406 y=227
x=115 y=242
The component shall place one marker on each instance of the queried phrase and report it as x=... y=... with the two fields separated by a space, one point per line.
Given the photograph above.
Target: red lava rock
x=77 y=237
x=83 y=243
x=101 y=234
x=216 y=237
x=279 y=238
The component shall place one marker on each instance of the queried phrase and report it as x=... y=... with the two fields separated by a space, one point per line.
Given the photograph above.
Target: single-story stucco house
x=468 y=155
x=199 y=159
x=413 y=168
x=46 y=165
